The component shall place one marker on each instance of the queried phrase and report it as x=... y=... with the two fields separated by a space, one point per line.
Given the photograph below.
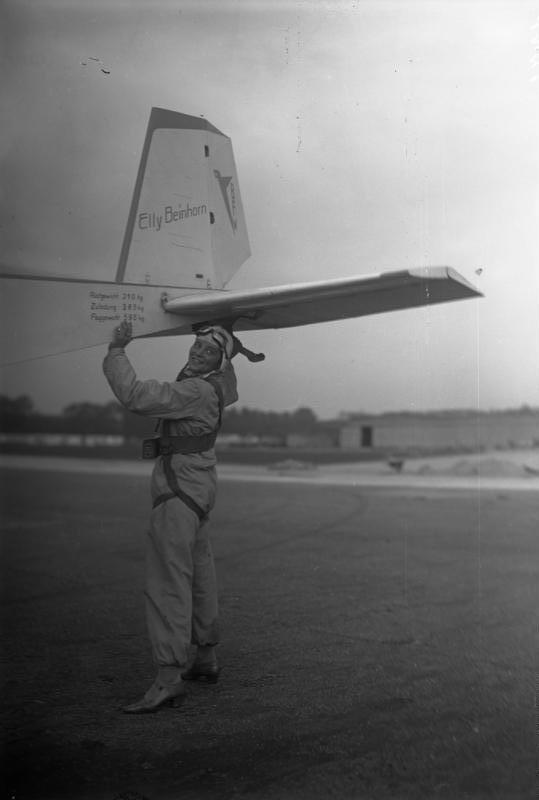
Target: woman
x=181 y=591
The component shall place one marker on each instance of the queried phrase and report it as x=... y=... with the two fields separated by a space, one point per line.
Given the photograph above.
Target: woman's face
x=203 y=357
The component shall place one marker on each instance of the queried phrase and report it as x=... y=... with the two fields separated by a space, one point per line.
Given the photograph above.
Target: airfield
x=379 y=634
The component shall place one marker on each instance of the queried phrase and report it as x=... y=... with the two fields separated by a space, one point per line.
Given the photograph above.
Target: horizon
x=342 y=415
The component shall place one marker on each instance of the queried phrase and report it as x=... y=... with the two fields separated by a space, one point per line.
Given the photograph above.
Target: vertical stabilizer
x=186 y=226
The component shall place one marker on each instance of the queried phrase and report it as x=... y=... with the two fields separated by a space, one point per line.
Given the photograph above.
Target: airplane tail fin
x=186 y=227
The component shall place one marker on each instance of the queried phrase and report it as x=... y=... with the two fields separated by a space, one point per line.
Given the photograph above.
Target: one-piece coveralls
x=181 y=591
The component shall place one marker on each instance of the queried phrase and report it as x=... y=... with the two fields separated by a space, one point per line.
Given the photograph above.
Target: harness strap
x=193 y=444
x=176 y=491
x=185 y=444
x=220 y=396
x=201 y=443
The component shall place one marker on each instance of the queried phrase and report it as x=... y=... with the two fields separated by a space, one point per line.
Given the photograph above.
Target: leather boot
x=209 y=672
x=158 y=696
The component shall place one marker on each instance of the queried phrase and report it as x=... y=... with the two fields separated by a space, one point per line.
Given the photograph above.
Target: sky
x=368 y=136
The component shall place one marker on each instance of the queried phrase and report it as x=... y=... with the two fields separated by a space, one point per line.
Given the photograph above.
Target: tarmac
x=379 y=634
x=508 y=469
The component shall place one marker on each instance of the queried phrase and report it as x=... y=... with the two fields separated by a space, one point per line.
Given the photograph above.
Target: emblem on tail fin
x=226 y=185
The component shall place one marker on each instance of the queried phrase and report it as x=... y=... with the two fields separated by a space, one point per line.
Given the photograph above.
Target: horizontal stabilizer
x=46 y=316
x=324 y=301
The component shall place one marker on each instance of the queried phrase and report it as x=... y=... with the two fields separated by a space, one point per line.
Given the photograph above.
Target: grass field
x=376 y=644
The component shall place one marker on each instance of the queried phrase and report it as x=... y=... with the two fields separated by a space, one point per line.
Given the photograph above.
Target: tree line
x=18 y=415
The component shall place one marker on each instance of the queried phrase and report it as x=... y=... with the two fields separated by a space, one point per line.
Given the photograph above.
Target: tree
x=304 y=420
x=94 y=418
x=22 y=406
x=16 y=413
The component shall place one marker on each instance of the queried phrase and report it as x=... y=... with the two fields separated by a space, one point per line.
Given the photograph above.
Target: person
x=181 y=592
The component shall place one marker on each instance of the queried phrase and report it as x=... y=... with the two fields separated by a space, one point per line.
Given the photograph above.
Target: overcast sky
x=368 y=136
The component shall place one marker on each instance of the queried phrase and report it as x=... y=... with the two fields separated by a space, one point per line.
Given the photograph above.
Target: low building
x=459 y=430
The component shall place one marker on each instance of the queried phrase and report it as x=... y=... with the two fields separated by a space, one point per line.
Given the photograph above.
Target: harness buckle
x=165 y=447
x=150 y=447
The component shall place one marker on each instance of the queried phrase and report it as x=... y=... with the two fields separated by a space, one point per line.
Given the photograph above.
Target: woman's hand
x=122 y=335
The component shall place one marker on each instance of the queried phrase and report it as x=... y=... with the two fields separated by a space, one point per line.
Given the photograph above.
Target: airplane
x=185 y=238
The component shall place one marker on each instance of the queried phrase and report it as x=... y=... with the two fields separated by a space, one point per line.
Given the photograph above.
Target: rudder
x=186 y=227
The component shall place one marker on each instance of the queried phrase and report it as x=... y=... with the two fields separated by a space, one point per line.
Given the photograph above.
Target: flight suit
x=181 y=591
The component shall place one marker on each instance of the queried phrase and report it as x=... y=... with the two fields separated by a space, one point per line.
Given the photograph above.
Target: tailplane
x=186 y=226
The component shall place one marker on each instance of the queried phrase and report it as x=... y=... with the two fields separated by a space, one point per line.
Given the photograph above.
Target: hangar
x=453 y=430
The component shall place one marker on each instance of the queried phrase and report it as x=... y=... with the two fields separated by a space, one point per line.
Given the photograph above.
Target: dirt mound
x=490 y=468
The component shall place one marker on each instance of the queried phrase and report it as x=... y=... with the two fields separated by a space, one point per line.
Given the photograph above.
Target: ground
x=377 y=643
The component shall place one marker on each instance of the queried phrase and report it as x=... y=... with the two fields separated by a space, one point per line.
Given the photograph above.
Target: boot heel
x=207 y=672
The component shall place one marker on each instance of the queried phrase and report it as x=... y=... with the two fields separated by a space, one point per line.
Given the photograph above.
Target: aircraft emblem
x=226 y=184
